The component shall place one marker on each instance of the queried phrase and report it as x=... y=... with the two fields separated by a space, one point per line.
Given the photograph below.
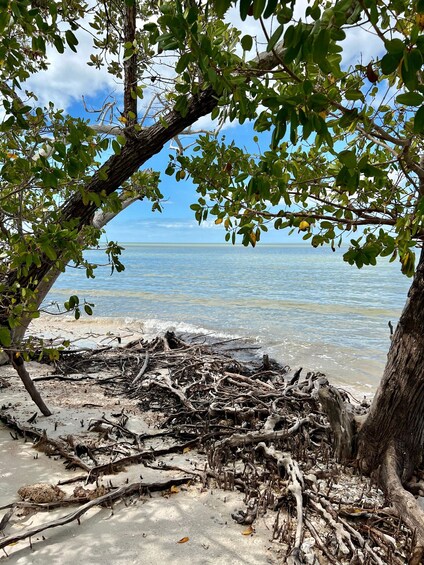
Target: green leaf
x=348 y=158
x=181 y=104
x=410 y=99
x=71 y=40
x=58 y=43
x=390 y=62
x=50 y=252
x=247 y=42
x=183 y=62
x=221 y=6
x=354 y=95
x=270 y=8
x=73 y=301
x=321 y=45
x=212 y=76
x=419 y=120
x=244 y=8
x=395 y=46
x=411 y=64
x=116 y=147
x=5 y=337
x=275 y=37
x=163 y=122
x=258 y=8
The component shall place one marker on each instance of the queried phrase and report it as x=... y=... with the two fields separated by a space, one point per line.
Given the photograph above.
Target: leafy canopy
x=339 y=138
x=345 y=152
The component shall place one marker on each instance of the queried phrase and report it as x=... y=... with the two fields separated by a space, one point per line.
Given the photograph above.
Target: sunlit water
x=305 y=306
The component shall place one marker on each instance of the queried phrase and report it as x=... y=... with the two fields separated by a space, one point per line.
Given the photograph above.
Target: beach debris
x=108 y=498
x=41 y=492
x=240 y=422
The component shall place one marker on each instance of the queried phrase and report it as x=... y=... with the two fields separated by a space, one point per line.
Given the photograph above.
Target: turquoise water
x=305 y=306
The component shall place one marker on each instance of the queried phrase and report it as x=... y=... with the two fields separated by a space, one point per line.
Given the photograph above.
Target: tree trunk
x=19 y=366
x=390 y=442
x=396 y=417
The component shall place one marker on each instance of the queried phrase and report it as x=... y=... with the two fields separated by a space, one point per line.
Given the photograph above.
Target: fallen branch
x=105 y=499
x=44 y=443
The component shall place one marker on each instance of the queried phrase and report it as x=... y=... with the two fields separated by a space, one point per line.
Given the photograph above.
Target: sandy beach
x=173 y=514
x=144 y=529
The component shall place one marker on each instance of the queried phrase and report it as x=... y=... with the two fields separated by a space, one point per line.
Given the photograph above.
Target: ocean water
x=304 y=306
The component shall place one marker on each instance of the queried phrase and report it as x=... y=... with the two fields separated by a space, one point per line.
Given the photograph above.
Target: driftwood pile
x=261 y=430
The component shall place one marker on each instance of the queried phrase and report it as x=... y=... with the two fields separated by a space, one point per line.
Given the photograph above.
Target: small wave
x=97 y=326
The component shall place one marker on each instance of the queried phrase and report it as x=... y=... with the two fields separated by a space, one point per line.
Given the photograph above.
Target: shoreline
x=95 y=331
x=91 y=392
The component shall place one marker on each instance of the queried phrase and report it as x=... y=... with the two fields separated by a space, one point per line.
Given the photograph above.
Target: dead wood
x=286 y=464
x=5 y=520
x=43 y=443
x=341 y=421
x=261 y=430
x=121 y=492
x=250 y=438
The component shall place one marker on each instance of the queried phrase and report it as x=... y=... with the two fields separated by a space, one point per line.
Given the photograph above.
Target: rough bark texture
x=138 y=149
x=403 y=501
x=341 y=421
x=130 y=66
x=396 y=417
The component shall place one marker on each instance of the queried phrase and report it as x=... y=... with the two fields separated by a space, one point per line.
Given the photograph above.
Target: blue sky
x=69 y=79
x=176 y=223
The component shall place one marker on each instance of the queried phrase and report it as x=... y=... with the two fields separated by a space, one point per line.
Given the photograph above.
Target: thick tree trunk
x=396 y=417
x=390 y=442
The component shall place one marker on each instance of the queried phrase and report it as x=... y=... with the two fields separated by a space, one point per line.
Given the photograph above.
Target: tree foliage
x=346 y=134
x=339 y=138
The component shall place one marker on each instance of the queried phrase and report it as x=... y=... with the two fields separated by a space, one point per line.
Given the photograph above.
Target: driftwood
x=262 y=430
x=44 y=443
x=105 y=499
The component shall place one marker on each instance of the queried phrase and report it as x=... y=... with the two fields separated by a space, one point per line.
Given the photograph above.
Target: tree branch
x=130 y=66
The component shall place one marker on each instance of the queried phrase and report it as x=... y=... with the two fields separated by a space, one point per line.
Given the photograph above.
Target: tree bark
x=19 y=366
x=396 y=417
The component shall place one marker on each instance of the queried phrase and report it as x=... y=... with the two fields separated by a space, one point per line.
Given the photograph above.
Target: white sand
x=146 y=530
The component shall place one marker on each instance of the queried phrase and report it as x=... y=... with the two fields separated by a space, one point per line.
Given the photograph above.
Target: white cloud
x=68 y=77
x=361 y=46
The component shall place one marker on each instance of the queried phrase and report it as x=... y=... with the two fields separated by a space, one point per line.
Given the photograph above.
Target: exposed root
x=286 y=464
x=404 y=503
x=256 y=427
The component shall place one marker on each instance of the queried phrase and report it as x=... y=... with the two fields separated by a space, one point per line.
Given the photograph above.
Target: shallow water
x=305 y=306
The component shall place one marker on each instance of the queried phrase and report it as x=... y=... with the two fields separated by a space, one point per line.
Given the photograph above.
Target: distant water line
x=304 y=306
